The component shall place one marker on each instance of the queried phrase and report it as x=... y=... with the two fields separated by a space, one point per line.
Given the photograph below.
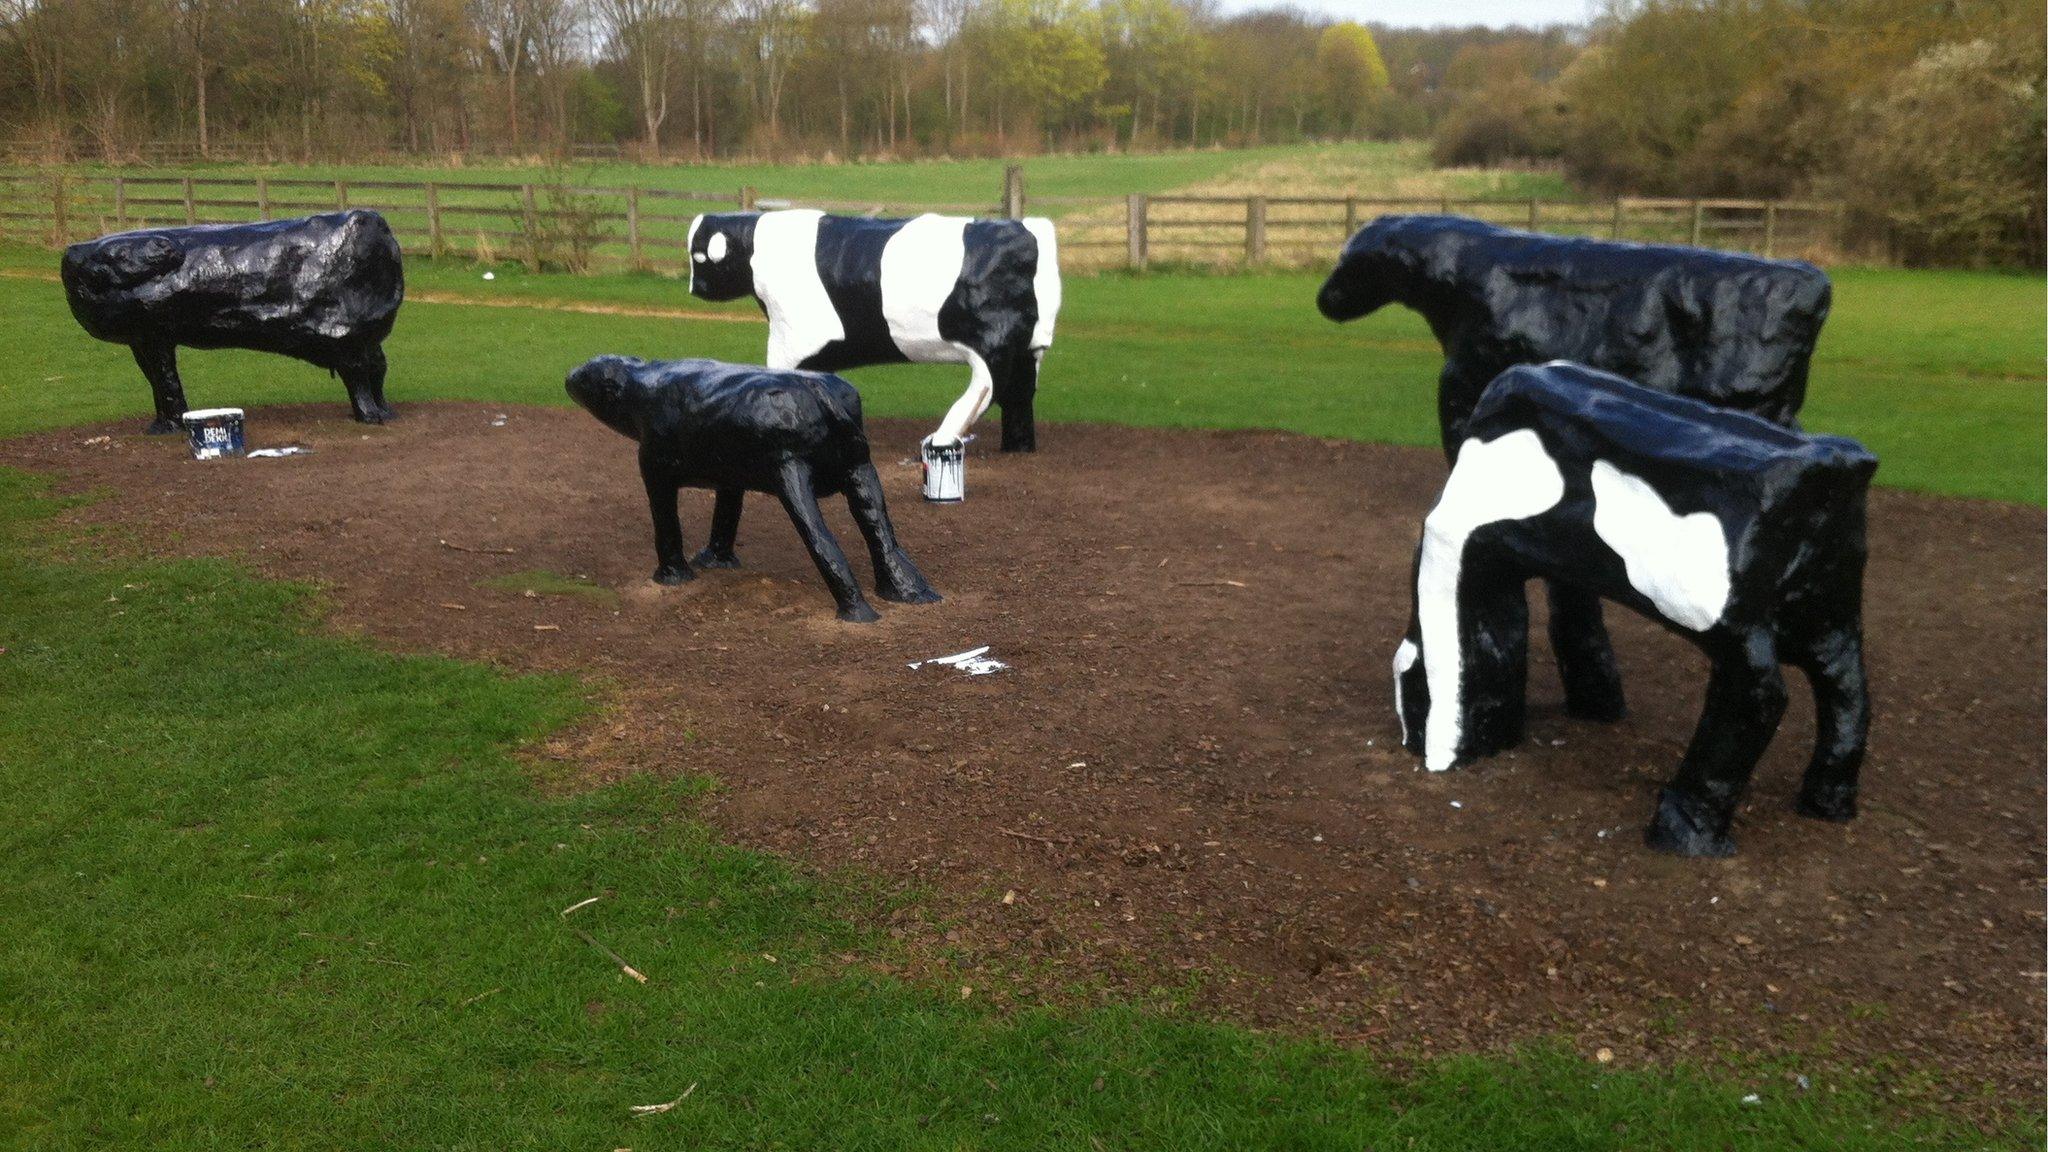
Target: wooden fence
x=585 y=228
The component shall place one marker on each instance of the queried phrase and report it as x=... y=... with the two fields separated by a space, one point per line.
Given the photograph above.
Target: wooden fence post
x=1614 y=228
x=341 y=194
x=435 y=244
x=263 y=197
x=1350 y=216
x=747 y=199
x=120 y=202
x=1255 y=230
x=532 y=222
x=633 y=226
x=1770 y=227
x=1135 y=239
x=1443 y=205
x=1013 y=191
x=1698 y=222
x=60 y=228
x=191 y=217
x=1532 y=213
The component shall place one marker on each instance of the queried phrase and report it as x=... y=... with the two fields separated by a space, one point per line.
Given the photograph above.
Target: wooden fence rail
x=588 y=228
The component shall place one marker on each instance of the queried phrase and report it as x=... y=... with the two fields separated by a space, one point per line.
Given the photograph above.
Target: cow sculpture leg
x=362 y=373
x=800 y=500
x=725 y=531
x=896 y=578
x=1016 y=387
x=1841 y=698
x=159 y=364
x=1745 y=700
x=1585 y=656
x=670 y=567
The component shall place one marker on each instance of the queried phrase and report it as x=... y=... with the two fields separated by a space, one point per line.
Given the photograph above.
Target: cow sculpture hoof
x=673 y=576
x=918 y=595
x=1685 y=826
x=859 y=614
x=161 y=426
x=1835 y=803
x=710 y=559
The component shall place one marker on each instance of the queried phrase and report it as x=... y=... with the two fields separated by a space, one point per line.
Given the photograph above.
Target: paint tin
x=215 y=432
x=945 y=472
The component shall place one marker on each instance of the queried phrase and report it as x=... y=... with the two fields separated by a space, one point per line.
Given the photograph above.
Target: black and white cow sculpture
x=1742 y=536
x=846 y=292
x=1735 y=331
x=323 y=289
x=738 y=429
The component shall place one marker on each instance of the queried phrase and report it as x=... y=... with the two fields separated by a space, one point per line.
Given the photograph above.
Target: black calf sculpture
x=736 y=429
x=1744 y=537
x=1734 y=331
x=323 y=289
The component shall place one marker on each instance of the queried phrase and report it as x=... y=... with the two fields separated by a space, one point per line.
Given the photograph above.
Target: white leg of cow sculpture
x=981 y=388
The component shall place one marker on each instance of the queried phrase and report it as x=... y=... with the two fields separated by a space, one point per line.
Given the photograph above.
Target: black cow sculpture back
x=1734 y=331
x=323 y=289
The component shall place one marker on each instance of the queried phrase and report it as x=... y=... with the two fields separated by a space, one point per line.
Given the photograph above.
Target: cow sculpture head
x=1393 y=260
x=605 y=387
x=722 y=255
x=108 y=280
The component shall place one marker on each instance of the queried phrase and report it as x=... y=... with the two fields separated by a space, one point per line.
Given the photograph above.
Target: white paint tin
x=945 y=472
x=214 y=432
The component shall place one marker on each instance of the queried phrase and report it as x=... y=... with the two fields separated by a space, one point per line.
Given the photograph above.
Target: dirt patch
x=1189 y=776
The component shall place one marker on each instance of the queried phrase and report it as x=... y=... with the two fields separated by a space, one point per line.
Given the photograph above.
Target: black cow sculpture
x=737 y=429
x=1742 y=536
x=1734 y=331
x=323 y=289
x=846 y=292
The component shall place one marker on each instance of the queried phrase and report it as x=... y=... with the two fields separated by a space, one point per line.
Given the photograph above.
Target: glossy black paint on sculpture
x=324 y=289
x=737 y=429
x=1732 y=330
x=992 y=308
x=1790 y=509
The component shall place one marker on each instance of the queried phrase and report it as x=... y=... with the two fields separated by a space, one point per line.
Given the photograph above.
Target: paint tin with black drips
x=945 y=472
x=214 y=432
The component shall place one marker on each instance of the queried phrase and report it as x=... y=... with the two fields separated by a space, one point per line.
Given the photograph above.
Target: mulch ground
x=1189 y=776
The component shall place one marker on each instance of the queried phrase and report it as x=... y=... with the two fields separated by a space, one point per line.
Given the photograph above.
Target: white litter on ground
x=266 y=453
x=490 y=275
x=974 y=662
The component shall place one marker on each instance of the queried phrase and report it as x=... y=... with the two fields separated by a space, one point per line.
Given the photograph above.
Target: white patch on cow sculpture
x=801 y=318
x=920 y=267
x=1404 y=659
x=1508 y=478
x=1045 y=283
x=690 y=245
x=1679 y=562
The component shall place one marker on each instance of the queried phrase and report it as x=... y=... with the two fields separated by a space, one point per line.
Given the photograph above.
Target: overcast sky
x=1434 y=13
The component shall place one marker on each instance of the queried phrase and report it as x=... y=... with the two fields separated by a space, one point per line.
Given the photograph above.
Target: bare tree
x=645 y=34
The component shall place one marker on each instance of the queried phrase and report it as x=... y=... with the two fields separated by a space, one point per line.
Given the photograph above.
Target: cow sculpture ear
x=144 y=258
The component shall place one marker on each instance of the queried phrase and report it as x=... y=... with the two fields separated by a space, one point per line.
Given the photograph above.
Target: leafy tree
x=1351 y=74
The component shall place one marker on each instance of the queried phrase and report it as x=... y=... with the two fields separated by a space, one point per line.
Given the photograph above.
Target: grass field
x=265 y=887
x=1939 y=372
x=1396 y=168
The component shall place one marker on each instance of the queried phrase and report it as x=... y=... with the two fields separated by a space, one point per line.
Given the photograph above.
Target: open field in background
x=1939 y=372
x=483 y=210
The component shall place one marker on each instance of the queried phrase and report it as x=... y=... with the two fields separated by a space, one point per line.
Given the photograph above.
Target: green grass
x=543 y=583
x=1940 y=373
x=264 y=887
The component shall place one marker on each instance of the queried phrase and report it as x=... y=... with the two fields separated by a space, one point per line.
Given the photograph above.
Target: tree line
x=705 y=78
x=1926 y=119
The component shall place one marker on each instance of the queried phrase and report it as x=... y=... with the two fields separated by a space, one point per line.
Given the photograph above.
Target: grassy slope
x=1330 y=167
x=264 y=887
x=1939 y=372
